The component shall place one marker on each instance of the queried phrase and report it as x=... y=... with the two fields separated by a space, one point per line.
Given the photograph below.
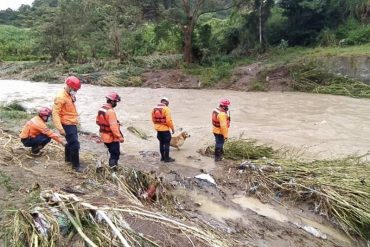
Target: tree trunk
x=260 y=22
x=117 y=44
x=188 y=51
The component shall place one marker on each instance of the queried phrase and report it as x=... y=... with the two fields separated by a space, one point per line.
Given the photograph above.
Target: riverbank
x=338 y=71
x=230 y=209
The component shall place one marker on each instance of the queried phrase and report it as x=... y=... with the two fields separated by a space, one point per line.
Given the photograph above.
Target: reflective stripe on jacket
x=161 y=118
x=37 y=126
x=109 y=125
x=220 y=122
x=64 y=110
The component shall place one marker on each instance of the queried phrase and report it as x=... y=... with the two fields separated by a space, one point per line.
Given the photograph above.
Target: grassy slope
x=308 y=76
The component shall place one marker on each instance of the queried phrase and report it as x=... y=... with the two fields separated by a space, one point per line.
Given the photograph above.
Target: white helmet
x=165 y=99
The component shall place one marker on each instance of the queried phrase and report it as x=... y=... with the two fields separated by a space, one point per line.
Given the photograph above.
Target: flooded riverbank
x=323 y=126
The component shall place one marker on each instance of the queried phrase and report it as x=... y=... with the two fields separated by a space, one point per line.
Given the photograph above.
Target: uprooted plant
x=64 y=215
x=336 y=188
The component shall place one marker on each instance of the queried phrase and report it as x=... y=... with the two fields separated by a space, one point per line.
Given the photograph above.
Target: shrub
x=13 y=110
x=46 y=76
x=81 y=68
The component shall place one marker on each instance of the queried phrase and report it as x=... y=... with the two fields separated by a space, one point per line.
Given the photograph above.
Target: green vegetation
x=5 y=181
x=113 y=45
x=97 y=29
x=339 y=187
x=311 y=78
x=241 y=149
x=258 y=86
x=13 y=111
x=209 y=76
x=46 y=76
x=17 y=44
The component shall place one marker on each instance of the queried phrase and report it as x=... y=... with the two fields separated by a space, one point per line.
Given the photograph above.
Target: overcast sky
x=13 y=4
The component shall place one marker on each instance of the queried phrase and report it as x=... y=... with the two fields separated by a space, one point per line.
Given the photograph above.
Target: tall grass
x=13 y=111
x=17 y=44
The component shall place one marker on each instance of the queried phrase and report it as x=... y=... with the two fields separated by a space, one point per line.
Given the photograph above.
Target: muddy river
x=323 y=126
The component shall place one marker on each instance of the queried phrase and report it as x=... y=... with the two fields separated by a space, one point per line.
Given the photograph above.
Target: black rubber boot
x=169 y=159
x=35 y=150
x=113 y=164
x=67 y=155
x=75 y=159
x=218 y=154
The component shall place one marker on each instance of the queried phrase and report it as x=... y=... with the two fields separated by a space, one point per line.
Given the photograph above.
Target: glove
x=121 y=140
x=62 y=132
x=173 y=132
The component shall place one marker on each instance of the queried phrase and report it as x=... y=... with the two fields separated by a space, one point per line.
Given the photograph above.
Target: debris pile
x=338 y=189
x=62 y=217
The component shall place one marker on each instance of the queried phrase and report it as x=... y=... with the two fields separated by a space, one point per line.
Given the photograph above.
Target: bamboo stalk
x=75 y=224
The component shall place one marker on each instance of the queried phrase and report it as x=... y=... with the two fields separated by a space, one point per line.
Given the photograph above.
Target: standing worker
x=161 y=118
x=109 y=128
x=65 y=119
x=221 y=124
x=36 y=134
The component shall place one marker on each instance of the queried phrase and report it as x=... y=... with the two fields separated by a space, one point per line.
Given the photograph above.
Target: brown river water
x=323 y=126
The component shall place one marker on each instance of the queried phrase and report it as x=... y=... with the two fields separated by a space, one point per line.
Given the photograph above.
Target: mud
x=321 y=125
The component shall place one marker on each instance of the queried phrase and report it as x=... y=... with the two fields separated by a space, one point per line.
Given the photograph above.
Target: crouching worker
x=109 y=128
x=36 y=134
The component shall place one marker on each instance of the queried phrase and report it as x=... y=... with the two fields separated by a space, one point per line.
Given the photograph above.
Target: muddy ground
x=245 y=221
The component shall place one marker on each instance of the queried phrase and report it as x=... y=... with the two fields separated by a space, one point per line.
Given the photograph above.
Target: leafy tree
x=7 y=16
x=255 y=21
x=307 y=18
x=187 y=13
x=60 y=34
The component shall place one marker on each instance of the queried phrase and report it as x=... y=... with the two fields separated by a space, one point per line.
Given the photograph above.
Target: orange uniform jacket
x=222 y=119
x=167 y=114
x=64 y=110
x=37 y=126
x=114 y=135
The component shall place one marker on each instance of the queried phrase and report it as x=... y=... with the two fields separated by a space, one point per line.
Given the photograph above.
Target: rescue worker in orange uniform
x=36 y=134
x=65 y=119
x=109 y=128
x=221 y=124
x=163 y=123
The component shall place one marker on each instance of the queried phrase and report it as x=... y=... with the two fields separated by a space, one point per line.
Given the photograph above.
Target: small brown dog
x=178 y=140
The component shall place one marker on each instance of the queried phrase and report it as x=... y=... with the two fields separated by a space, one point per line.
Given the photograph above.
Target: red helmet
x=224 y=102
x=73 y=82
x=113 y=96
x=44 y=112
